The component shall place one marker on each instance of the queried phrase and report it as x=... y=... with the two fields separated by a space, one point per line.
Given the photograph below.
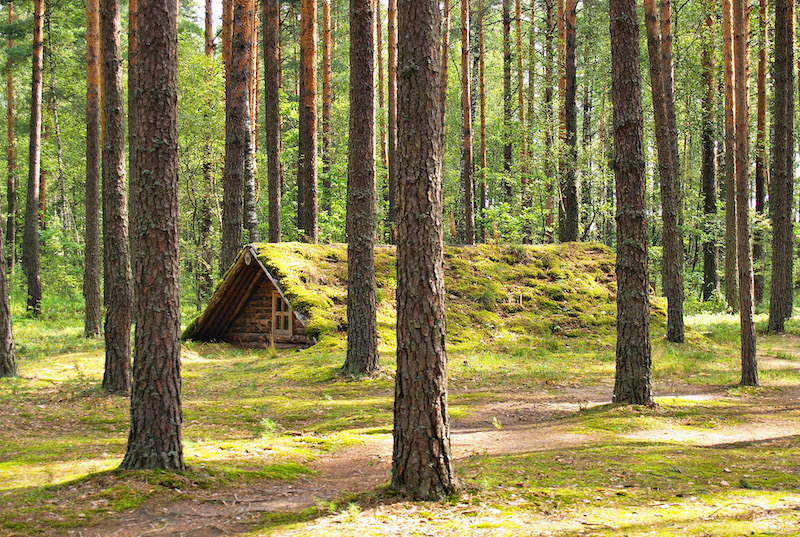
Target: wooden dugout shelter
x=249 y=309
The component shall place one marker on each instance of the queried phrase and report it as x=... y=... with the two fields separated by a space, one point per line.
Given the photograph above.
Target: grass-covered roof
x=492 y=291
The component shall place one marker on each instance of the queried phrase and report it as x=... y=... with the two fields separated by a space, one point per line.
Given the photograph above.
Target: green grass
x=266 y=416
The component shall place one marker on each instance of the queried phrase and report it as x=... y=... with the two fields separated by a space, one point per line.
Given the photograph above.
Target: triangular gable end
x=249 y=309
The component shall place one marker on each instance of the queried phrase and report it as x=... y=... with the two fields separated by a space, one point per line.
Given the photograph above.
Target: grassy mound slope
x=492 y=292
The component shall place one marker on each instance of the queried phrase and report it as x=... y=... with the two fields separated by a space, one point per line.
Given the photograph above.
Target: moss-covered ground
x=539 y=449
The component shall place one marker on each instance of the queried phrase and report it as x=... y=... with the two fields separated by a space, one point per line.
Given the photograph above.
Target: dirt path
x=516 y=425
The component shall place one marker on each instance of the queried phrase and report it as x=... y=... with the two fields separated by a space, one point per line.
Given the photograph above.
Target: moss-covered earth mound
x=492 y=291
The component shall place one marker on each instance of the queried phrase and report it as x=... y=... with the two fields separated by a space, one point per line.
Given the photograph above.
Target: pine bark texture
x=633 y=368
x=237 y=136
x=93 y=313
x=11 y=189
x=422 y=463
x=362 y=331
x=31 y=256
x=8 y=353
x=741 y=50
x=708 y=170
x=271 y=19
x=117 y=264
x=782 y=204
x=155 y=435
x=133 y=169
x=466 y=128
x=568 y=220
x=307 y=143
x=731 y=258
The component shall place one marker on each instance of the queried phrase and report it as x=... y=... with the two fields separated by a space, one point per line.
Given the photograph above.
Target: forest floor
x=527 y=424
x=554 y=458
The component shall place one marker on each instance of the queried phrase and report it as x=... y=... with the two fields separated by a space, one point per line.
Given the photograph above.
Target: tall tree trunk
x=667 y=171
x=708 y=172
x=482 y=91
x=508 y=148
x=466 y=127
x=92 y=268
x=422 y=463
x=11 y=160
x=362 y=333
x=549 y=136
x=782 y=202
x=271 y=19
x=741 y=50
x=731 y=258
x=250 y=187
x=327 y=138
x=391 y=71
x=446 y=8
x=307 y=143
x=761 y=152
x=117 y=267
x=64 y=212
x=568 y=222
x=523 y=155
x=381 y=80
x=205 y=252
x=237 y=136
x=227 y=33
x=633 y=368
x=155 y=436
x=8 y=353
x=31 y=262
x=671 y=188
x=133 y=168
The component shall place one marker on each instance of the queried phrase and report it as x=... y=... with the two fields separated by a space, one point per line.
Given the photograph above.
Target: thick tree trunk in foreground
x=422 y=463
x=271 y=19
x=31 y=262
x=362 y=332
x=117 y=271
x=782 y=204
x=731 y=258
x=741 y=50
x=633 y=370
x=93 y=314
x=155 y=436
x=708 y=172
x=307 y=143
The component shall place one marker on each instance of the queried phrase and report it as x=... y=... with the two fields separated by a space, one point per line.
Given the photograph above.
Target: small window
x=281 y=315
